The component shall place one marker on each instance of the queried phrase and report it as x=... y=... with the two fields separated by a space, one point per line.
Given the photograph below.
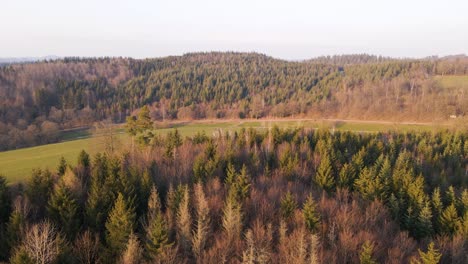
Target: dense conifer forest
x=277 y=196
x=39 y=99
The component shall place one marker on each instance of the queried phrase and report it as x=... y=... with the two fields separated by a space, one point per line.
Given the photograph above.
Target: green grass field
x=16 y=165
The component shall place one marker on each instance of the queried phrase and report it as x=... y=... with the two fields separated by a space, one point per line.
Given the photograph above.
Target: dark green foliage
x=311 y=216
x=63 y=209
x=15 y=229
x=173 y=141
x=5 y=201
x=240 y=187
x=119 y=226
x=287 y=206
x=62 y=167
x=324 y=176
x=83 y=159
x=38 y=189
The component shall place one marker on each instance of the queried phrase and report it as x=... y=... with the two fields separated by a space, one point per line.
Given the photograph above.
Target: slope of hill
x=39 y=99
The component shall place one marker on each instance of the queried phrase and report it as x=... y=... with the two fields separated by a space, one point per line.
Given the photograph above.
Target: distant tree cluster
x=277 y=196
x=39 y=99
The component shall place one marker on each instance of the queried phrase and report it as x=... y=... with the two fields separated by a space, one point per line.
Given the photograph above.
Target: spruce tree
x=324 y=176
x=287 y=206
x=365 y=257
x=311 y=216
x=449 y=220
x=432 y=256
x=15 y=229
x=119 y=226
x=424 y=226
x=157 y=233
x=346 y=176
x=63 y=209
x=62 y=167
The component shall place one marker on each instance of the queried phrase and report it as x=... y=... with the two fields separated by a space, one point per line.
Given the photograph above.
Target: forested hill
x=38 y=99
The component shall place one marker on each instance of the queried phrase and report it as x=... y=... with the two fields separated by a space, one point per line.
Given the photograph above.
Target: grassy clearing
x=17 y=165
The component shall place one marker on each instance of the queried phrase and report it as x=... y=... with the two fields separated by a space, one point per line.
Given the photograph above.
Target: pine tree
x=311 y=216
x=449 y=220
x=63 y=209
x=346 y=176
x=432 y=256
x=287 y=206
x=463 y=226
x=436 y=203
x=38 y=190
x=5 y=204
x=365 y=257
x=62 y=166
x=119 y=226
x=240 y=188
x=424 y=226
x=324 y=176
x=157 y=233
x=231 y=175
x=102 y=193
x=15 y=229
x=157 y=236
x=450 y=197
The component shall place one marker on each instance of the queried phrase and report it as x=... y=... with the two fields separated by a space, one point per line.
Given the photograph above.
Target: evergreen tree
x=63 y=209
x=157 y=233
x=449 y=220
x=119 y=226
x=287 y=206
x=62 y=167
x=38 y=190
x=311 y=216
x=231 y=175
x=424 y=226
x=15 y=229
x=240 y=188
x=324 y=176
x=346 y=176
x=5 y=203
x=365 y=257
x=432 y=256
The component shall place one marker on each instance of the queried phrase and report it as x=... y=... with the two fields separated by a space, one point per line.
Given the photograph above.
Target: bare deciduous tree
x=86 y=248
x=43 y=242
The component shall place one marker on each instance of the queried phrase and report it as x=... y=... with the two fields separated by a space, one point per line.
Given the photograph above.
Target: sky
x=289 y=29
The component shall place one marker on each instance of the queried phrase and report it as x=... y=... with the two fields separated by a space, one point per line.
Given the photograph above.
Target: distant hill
x=37 y=98
x=12 y=60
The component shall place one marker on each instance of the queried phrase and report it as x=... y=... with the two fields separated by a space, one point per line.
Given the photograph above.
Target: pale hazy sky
x=289 y=29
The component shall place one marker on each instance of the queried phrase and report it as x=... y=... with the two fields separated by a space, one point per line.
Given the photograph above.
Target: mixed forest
x=276 y=196
x=38 y=100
